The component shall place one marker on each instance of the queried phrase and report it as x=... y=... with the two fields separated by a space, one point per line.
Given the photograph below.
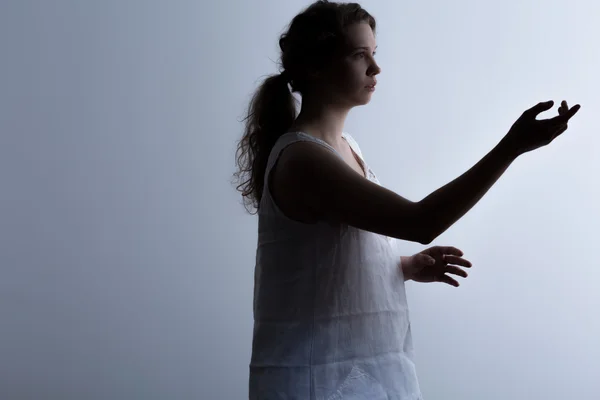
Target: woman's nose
x=375 y=69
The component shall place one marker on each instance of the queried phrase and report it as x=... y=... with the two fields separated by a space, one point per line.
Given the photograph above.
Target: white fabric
x=331 y=319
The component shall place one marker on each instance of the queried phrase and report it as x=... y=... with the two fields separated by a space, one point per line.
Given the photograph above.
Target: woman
x=331 y=319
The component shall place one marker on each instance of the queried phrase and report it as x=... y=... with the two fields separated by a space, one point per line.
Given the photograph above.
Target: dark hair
x=313 y=39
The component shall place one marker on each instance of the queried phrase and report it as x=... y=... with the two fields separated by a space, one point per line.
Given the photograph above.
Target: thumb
x=539 y=108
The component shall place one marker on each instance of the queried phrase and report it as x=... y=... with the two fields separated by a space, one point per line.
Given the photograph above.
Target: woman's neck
x=324 y=122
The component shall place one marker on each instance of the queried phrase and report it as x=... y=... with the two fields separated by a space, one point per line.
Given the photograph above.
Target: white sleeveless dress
x=331 y=320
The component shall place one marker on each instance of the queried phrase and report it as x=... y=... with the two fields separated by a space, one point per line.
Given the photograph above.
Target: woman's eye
x=363 y=55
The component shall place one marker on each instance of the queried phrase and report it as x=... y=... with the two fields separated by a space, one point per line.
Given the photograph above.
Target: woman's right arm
x=314 y=180
x=311 y=180
x=448 y=204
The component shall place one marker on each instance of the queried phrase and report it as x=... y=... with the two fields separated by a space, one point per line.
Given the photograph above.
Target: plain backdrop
x=127 y=258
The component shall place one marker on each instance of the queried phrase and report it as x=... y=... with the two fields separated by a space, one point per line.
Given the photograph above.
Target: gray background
x=127 y=259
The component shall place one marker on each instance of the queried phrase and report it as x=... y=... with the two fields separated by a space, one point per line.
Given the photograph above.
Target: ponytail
x=271 y=113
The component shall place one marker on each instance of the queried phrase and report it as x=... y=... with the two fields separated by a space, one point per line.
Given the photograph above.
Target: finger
x=539 y=108
x=564 y=105
x=566 y=116
x=456 y=271
x=450 y=250
x=458 y=261
x=449 y=281
x=572 y=111
x=563 y=118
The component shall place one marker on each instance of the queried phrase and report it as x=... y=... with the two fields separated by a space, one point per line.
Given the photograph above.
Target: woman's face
x=350 y=80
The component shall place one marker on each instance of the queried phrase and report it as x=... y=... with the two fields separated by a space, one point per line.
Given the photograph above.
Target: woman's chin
x=366 y=99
